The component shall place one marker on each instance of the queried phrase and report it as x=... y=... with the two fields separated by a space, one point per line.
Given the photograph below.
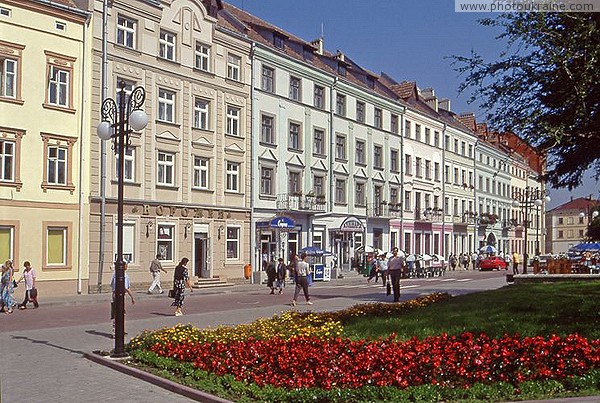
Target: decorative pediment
x=360 y=173
x=168 y=135
x=295 y=160
x=395 y=179
x=202 y=142
x=268 y=155
x=234 y=148
x=378 y=177
x=319 y=165
x=341 y=169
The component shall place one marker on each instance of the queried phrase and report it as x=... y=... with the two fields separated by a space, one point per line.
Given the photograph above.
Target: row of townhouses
x=258 y=143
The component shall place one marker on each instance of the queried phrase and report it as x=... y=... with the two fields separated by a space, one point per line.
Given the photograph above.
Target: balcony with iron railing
x=430 y=214
x=301 y=202
x=384 y=210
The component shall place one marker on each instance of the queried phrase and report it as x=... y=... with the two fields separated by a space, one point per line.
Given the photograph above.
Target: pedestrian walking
x=516 y=261
x=7 y=301
x=474 y=257
x=30 y=288
x=395 y=267
x=180 y=281
x=453 y=261
x=302 y=273
x=292 y=266
x=374 y=271
x=155 y=269
x=382 y=265
x=281 y=272
x=113 y=286
x=271 y=275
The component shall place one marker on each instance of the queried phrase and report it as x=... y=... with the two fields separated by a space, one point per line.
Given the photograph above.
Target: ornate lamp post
x=119 y=120
x=527 y=199
x=592 y=214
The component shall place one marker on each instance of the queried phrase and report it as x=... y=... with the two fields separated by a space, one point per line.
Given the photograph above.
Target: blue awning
x=277 y=222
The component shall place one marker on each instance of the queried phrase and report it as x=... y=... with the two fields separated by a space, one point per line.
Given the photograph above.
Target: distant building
x=567 y=224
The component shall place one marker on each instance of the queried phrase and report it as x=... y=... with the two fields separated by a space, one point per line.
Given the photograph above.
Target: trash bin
x=247 y=271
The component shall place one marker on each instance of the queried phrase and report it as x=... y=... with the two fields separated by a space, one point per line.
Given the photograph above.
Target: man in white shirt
x=155 y=269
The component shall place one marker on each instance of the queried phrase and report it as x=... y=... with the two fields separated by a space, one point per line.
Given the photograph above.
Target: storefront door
x=201 y=264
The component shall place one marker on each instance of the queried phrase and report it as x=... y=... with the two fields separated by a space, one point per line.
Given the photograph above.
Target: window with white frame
x=360 y=111
x=436 y=138
x=126 y=31
x=266 y=130
x=129 y=170
x=8 y=77
x=59 y=86
x=340 y=191
x=201 y=172
x=394 y=163
x=7 y=161
x=233 y=67
x=128 y=241
x=294 y=182
x=201 y=107
x=319 y=185
x=268 y=75
x=164 y=241
x=57 y=165
x=340 y=104
x=378 y=118
x=56 y=245
x=340 y=146
x=232 y=175
x=233 y=243
x=359 y=193
x=427 y=135
x=427 y=169
x=319 y=142
x=266 y=181
x=166 y=166
x=407 y=126
x=295 y=88
x=318 y=99
x=7 y=242
x=233 y=121
x=166 y=106
x=436 y=171
x=393 y=195
x=202 y=61
x=417 y=132
x=378 y=157
x=407 y=197
x=360 y=152
x=294 y=139
x=407 y=164
x=167 y=45
x=418 y=167
x=394 y=123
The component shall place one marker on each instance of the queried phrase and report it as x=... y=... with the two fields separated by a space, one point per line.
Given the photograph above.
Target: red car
x=492 y=263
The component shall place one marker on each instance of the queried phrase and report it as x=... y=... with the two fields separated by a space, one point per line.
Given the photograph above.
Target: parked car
x=492 y=263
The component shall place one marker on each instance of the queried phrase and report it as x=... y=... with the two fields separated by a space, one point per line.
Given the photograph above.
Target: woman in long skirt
x=7 y=301
x=180 y=281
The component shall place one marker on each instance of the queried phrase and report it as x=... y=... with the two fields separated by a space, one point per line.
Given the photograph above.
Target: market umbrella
x=488 y=249
x=400 y=254
x=438 y=257
x=586 y=247
x=314 y=251
x=365 y=249
x=411 y=258
x=426 y=257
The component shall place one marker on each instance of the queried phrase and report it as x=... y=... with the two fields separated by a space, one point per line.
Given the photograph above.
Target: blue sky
x=407 y=39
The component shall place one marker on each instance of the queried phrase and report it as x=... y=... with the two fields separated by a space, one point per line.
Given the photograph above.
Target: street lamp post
x=119 y=120
x=591 y=215
x=526 y=199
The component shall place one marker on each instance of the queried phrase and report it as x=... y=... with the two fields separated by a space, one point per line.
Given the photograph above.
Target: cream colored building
x=187 y=175
x=43 y=112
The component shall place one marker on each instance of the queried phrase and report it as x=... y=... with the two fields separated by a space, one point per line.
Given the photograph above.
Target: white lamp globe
x=105 y=131
x=538 y=202
x=582 y=214
x=595 y=214
x=547 y=199
x=138 y=120
x=515 y=203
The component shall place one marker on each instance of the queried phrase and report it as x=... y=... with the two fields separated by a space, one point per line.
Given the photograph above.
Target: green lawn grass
x=527 y=309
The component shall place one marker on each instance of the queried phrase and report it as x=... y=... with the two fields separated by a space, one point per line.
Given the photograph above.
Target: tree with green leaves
x=545 y=87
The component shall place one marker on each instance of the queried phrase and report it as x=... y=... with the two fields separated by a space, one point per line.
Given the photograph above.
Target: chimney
x=340 y=56
x=432 y=102
x=445 y=104
x=428 y=93
x=318 y=43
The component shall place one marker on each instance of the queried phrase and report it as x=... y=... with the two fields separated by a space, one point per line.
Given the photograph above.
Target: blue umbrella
x=489 y=249
x=586 y=247
x=314 y=251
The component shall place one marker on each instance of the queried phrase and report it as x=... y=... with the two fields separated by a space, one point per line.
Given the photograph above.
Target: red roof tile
x=581 y=203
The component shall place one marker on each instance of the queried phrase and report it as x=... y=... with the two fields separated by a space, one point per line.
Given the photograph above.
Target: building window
x=167 y=45
x=428 y=169
x=378 y=157
x=394 y=166
x=294 y=183
x=266 y=181
x=359 y=194
x=319 y=142
x=166 y=106
x=407 y=205
x=232 y=175
x=164 y=243
x=318 y=97
x=129 y=171
x=561 y=234
x=407 y=125
x=7 y=161
x=295 y=88
x=318 y=185
x=393 y=195
x=7 y=240
x=427 y=135
x=59 y=86
x=360 y=111
x=201 y=114
x=278 y=41
x=436 y=171
x=166 y=165
x=340 y=191
x=266 y=130
x=56 y=245
x=394 y=123
x=436 y=138
x=360 y=152
x=418 y=132
x=202 y=57
x=233 y=243
x=407 y=164
x=9 y=76
x=470 y=151
x=233 y=121
x=267 y=79
x=342 y=69
x=378 y=118
x=456 y=179
x=57 y=165
x=201 y=173
x=5 y=12
x=418 y=168
x=456 y=150
x=294 y=139
x=447 y=142
x=128 y=241
x=340 y=147
x=340 y=105
x=126 y=32
x=233 y=67
x=561 y=221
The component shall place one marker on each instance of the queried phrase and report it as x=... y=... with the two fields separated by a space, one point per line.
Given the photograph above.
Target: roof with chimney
x=581 y=203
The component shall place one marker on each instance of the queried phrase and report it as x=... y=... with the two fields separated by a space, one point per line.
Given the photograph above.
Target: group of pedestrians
x=299 y=270
x=8 y=284
x=463 y=261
